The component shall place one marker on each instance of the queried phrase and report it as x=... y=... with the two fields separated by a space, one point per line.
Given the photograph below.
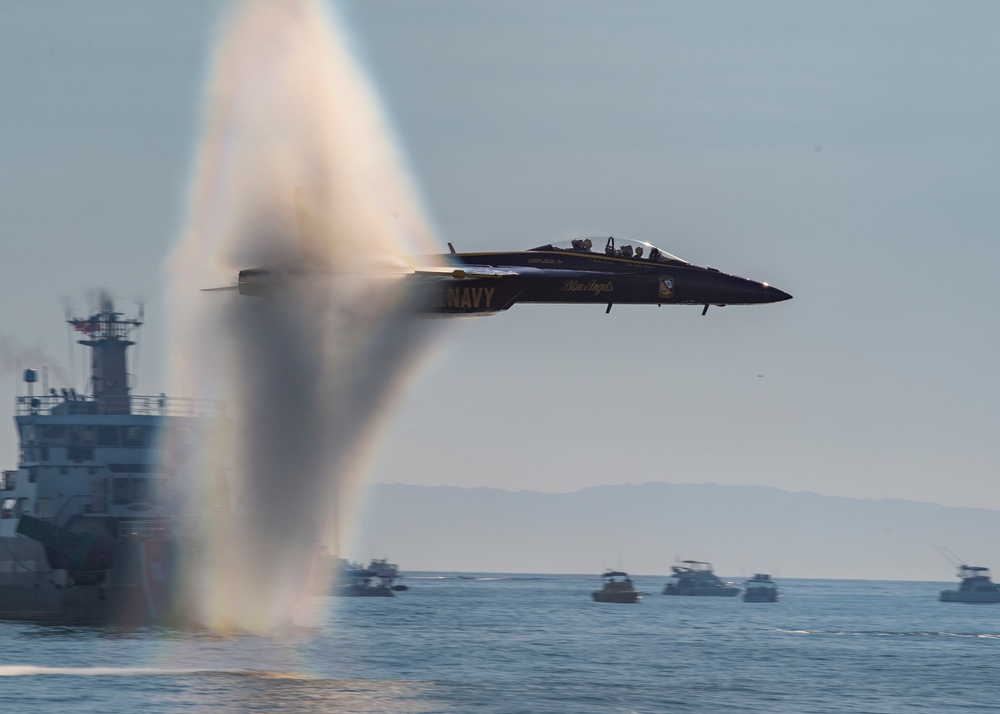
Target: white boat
x=976 y=586
x=383 y=568
x=761 y=588
x=350 y=579
x=695 y=578
x=84 y=535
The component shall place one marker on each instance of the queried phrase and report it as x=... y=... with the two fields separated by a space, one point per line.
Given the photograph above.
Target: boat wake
x=30 y=670
x=891 y=633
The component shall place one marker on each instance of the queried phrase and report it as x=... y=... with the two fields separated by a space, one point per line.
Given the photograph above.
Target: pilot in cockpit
x=654 y=254
x=626 y=251
x=638 y=251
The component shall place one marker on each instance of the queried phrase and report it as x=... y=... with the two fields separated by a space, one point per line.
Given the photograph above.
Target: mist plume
x=296 y=171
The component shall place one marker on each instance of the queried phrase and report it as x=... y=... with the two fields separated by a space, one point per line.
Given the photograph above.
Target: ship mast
x=108 y=334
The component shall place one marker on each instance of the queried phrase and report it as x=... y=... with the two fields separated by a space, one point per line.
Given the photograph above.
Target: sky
x=844 y=152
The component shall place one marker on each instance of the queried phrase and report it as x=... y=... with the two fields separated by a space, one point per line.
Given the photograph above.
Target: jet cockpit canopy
x=617 y=247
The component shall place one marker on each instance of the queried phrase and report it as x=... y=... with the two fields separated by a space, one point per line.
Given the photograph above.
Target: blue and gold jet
x=601 y=271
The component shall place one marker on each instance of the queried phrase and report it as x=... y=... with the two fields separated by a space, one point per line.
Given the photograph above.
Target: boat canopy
x=618 y=247
x=697 y=565
x=973 y=571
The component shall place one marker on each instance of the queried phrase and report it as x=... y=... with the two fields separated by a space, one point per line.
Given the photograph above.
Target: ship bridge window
x=134 y=436
x=54 y=435
x=107 y=436
x=128 y=468
x=7 y=507
x=120 y=490
x=141 y=490
x=81 y=435
x=80 y=453
x=130 y=490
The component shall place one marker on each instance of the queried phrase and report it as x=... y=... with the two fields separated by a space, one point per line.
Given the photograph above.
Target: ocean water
x=535 y=643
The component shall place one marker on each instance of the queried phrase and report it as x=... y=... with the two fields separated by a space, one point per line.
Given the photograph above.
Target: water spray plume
x=296 y=171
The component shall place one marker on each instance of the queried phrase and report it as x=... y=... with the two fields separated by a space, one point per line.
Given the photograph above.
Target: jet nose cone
x=717 y=288
x=773 y=294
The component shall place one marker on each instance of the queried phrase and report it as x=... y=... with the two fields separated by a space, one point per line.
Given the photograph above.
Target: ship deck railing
x=51 y=404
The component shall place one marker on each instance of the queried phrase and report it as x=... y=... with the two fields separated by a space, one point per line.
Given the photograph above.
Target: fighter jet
x=601 y=271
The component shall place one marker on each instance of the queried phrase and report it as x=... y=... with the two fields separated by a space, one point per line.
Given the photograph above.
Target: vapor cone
x=296 y=172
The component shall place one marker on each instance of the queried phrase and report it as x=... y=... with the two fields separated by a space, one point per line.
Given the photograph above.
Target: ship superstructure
x=85 y=532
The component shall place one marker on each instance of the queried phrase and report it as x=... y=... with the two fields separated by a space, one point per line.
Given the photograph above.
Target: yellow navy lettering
x=463 y=298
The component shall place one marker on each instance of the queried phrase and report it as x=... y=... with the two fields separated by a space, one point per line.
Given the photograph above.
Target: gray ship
x=85 y=536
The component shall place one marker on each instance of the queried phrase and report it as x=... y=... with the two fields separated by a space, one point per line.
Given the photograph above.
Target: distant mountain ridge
x=643 y=528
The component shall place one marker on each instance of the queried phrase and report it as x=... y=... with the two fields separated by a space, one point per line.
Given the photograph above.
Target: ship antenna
x=69 y=347
x=952 y=559
x=138 y=343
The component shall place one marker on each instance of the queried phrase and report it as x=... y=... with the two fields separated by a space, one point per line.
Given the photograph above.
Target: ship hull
x=753 y=596
x=136 y=591
x=362 y=591
x=620 y=597
x=702 y=592
x=973 y=598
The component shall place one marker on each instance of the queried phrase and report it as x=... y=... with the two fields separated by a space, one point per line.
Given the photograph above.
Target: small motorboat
x=355 y=580
x=618 y=587
x=760 y=588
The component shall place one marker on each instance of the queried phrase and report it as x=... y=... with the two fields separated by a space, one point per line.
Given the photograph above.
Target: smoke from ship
x=14 y=355
x=296 y=171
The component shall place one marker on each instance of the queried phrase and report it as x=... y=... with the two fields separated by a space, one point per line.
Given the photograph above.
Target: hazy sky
x=845 y=152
